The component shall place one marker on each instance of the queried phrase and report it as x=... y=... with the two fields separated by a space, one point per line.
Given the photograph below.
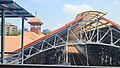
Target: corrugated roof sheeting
x=13 y=9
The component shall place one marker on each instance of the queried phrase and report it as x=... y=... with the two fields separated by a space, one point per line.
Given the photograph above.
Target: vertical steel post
x=111 y=36
x=66 y=53
x=81 y=32
x=97 y=29
x=22 y=41
x=2 y=36
x=86 y=54
x=90 y=32
x=67 y=45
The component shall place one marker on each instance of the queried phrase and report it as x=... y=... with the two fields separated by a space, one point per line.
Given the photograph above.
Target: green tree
x=15 y=34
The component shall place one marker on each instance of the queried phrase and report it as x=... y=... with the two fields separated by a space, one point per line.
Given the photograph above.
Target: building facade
x=9 y=29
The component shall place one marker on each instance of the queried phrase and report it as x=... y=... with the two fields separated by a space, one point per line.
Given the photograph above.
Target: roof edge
x=111 y=22
x=50 y=34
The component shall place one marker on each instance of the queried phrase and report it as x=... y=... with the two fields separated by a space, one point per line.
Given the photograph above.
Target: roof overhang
x=12 y=9
x=91 y=17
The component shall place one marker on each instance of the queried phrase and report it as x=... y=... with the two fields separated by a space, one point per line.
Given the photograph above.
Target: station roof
x=80 y=17
x=91 y=15
x=94 y=16
x=12 y=9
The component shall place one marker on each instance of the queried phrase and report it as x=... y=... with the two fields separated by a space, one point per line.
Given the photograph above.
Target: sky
x=56 y=13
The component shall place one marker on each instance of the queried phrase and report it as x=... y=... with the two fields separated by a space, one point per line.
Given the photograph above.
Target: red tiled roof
x=14 y=42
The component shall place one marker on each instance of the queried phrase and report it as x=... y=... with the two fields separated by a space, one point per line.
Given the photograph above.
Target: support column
x=67 y=45
x=86 y=54
x=97 y=27
x=90 y=32
x=2 y=36
x=22 y=41
x=111 y=36
x=81 y=32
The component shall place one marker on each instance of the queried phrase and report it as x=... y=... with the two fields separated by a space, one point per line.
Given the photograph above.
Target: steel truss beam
x=85 y=34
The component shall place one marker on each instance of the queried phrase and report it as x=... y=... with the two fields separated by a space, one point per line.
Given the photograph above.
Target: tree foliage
x=15 y=34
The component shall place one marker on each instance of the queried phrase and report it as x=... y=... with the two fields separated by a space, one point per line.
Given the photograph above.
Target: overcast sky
x=56 y=13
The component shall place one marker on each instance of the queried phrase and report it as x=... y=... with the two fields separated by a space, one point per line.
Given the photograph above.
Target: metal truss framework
x=87 y=31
